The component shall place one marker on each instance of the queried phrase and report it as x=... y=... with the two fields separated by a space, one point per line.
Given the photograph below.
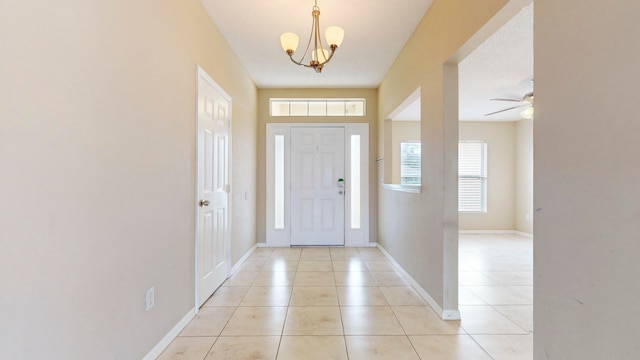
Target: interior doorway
x=212 y=188
x=496 y=138
x=456 y=104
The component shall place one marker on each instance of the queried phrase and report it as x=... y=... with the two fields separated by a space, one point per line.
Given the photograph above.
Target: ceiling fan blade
x=502 y=99
x=507 y=109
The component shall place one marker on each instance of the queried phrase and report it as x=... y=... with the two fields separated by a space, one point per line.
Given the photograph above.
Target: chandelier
x=319 y=55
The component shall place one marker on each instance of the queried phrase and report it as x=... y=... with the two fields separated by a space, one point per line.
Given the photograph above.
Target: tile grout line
x=344 y=333
x=349 y=285
x=480 y=346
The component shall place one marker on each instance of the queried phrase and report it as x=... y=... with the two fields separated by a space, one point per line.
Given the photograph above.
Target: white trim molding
x=281 y=236
x=172 y=334
x=413 y=189
x=530 y=236
x=446 y=314
x=244 y=258
x=496 y=232
x=451 y=315
x=175 y=331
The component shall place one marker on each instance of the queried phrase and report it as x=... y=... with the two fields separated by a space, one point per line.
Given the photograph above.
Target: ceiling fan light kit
x=319 y=55
x=527 y=113
x=527 y=101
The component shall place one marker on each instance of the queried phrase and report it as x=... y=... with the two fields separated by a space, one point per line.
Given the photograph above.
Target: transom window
x=317 y=107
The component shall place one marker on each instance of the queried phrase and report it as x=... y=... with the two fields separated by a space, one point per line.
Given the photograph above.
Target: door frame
x=450 y=105
x=201 y=74
x=354 y=236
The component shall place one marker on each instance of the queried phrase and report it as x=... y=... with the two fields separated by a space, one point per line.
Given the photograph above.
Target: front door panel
x=317 y=197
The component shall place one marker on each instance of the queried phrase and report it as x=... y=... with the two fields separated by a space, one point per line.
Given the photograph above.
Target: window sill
x=413 y=189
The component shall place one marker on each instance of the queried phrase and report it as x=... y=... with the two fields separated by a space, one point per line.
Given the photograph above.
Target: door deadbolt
x=204 y=203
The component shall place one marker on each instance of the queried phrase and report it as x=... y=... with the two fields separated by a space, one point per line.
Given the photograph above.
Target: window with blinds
x=410 y=163
x=472 y=176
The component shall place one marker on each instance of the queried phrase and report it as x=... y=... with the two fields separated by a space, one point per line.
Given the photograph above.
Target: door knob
x=204 y=203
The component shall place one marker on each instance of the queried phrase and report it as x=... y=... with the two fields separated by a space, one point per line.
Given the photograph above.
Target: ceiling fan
x=526 y=101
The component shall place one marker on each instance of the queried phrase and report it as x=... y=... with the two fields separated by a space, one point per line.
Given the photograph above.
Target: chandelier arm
x=306 y=51
x=317 y=39
x=298 y=62
x=333 y=50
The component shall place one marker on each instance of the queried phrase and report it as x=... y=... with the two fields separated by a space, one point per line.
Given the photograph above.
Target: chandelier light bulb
x=334 y=35
x=289 y=42
x=324 y=55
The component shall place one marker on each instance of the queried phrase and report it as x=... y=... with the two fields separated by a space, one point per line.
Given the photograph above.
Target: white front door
x=214 y=117
x=317 y=194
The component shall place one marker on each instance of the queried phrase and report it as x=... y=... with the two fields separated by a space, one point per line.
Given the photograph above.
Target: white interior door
x=213 y=187
x=317 y=195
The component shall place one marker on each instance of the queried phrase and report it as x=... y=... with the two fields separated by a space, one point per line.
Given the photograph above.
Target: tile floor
x=351 y=303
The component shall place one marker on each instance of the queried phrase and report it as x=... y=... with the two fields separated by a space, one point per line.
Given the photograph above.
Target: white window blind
x=472 y=176
x=410 y=163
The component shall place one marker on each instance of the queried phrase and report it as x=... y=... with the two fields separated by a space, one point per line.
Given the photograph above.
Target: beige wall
x=97 y=154
x=401 y=131
x=501 y=176
x=420 y=230
x=524 y=176
x=264 y=117
x=587 y=219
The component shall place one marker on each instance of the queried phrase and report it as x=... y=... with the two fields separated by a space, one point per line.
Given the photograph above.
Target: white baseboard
x=173 y=333
x=243 y=259
x=444 y=314
x=162 y=345
x=530 y=236
x=265 y=245
x=274 y=246
x=486 y=231
x=451 y=315
x=497 y=232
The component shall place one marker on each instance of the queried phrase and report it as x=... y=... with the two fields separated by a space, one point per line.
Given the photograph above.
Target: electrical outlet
x=150 y=298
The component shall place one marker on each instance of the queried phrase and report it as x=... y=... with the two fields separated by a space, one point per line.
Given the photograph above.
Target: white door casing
x=317 y=186
x=212 y=198
x=278 y=187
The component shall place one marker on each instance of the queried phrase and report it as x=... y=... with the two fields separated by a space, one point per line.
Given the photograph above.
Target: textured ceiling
x=375 y=33
x=501 y=67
